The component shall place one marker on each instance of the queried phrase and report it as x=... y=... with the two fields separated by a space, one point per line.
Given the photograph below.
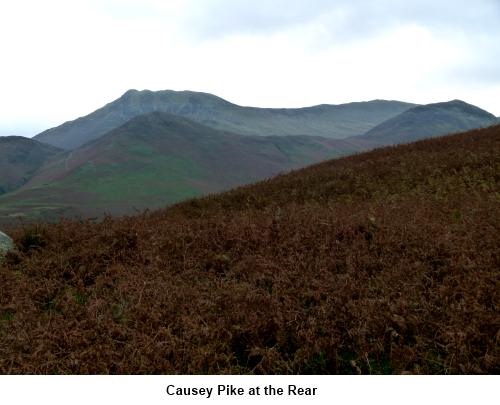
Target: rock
x=6 y=244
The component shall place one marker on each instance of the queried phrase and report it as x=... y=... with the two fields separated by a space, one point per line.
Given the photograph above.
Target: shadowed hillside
x=19 y=159
x=428 y=121
x=331 y=121
x=385 y=262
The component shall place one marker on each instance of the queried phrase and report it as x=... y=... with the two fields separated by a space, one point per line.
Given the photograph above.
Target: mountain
x=158 y=159
x=331 y=121
x=430 y=120
x=380 y=263
x=19 y=158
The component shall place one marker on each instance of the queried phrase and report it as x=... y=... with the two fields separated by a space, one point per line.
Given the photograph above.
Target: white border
x=151 y=390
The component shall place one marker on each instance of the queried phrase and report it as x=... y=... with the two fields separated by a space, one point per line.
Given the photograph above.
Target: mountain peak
x=129 y=93
x=431 y=120
x=337 y=122
x=459 y=106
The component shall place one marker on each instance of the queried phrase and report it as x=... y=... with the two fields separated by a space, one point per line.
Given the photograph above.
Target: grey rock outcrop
x=6 y=244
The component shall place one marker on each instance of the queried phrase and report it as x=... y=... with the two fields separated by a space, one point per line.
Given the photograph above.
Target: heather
x=379 y=263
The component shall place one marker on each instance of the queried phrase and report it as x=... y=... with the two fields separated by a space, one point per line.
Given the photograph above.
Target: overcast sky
x=61 y=59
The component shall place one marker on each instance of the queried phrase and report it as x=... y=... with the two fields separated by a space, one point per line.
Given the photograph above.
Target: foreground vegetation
x=385 y=262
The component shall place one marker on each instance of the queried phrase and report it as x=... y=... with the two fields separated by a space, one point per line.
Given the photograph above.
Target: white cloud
x=64 y=59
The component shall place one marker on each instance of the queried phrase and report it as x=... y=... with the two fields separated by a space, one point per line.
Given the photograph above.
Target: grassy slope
x=155 y=160
x=385 y=262
x=332 y=121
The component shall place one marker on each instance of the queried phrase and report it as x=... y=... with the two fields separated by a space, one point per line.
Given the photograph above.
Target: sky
x=61 y=59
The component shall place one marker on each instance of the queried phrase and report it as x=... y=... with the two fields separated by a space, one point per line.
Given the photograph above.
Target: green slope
x=155 y=160
x=332 y=121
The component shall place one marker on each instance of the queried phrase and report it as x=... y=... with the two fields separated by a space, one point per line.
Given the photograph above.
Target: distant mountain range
x=330 y=121
x=152 y=159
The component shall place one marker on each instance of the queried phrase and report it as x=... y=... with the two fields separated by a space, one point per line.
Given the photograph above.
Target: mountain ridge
x=335 y=121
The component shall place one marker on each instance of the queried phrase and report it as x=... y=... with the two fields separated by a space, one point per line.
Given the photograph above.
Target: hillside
x=383 y=262
x=154 y=160
x=148 y=163
x=19 y=158
x=331 y=121
x=430 y=120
